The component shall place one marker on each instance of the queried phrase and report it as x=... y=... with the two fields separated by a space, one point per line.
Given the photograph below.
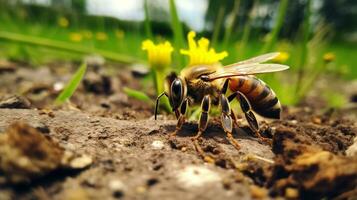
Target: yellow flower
x=282 y=57
x=200 y=53
x=329 y=57
x=101 y=36
x=119 y=33
x=63 y=22
x=75 y=37
x=159 y=55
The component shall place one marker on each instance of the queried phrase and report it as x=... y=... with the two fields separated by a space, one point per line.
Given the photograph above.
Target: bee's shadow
x=213 y=130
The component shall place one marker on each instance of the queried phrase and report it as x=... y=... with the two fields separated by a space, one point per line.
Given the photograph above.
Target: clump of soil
x=26 y=154
x=14 y=101
x=303 y=166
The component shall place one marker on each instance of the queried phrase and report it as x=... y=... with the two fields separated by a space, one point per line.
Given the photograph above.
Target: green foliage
x=147 y=24
x=176 y=26
x=218 y=24
x=137 y=95
x=247 y=30
x=273 y=35
x=72 y=85
x=39 y=41
x=335 y=100
x=303 y=50
x=231 y=22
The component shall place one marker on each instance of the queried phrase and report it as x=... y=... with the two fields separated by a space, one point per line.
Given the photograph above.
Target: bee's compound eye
x=176 y=88
x=176 y=93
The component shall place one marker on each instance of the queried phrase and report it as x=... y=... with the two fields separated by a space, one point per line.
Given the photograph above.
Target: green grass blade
x=218 y=24
x=66 y=46
x=147 y=24
x=229 y=28
x=303 y=48
x=178 y=32
x=247 y=31
x=273 y=35
x=136 y=94
x=72 y=85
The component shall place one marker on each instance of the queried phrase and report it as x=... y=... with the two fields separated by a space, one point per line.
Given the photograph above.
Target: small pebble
x=352 y=150
x=183 y=149
x=141 y=189
x=196 y=176
x=6 y=66
x=116 y=185
x=58 y=86
x=15 y=102
x=316 y=120
x=139 y=70
x=294 y=121
x=258 y=192
x=43 y=128
x=291 y=193
x=81 y=162
x=157 y=144
x=94 y=60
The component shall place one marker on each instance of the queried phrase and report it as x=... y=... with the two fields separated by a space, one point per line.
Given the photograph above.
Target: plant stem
x=304 y=51
x=159 y=77
x=178 y=31
x=246 y=31
x=218 y=24
x=310 y=81
x=230 y=25
x=273 y=35
x=148 y=29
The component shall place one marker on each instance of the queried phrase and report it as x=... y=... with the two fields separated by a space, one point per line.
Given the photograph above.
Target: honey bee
x=208 y=84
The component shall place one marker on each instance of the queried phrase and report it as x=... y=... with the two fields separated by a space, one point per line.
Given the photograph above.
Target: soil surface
x=117 y=150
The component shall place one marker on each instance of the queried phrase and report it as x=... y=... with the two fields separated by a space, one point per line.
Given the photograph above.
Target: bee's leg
x=181 y=118
x=224 y=91
x=249 y=115
x=203 y=121
x=225 y=86
x=226 y=120
x=202 y=125
x=234 y=118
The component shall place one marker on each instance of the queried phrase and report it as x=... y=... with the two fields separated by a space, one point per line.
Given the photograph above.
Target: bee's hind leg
x=226 y=120
x=181 y=118
x=249 y=115
x=234 y=118
x=202 y=125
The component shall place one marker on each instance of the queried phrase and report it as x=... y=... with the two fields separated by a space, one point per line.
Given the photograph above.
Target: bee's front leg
x=181 y=117
x=205 y=106
x=202 y=125
x=226 y=120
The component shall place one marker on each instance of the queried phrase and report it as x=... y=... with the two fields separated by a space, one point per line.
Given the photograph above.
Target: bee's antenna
x=157 y=103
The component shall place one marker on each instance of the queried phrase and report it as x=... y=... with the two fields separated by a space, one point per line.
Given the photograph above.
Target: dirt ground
x=119 y=152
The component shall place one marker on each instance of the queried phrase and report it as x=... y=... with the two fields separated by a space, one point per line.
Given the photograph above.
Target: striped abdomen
x=262 y=99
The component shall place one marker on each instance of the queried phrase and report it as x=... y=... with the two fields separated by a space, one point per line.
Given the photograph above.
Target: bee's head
x=176 y=90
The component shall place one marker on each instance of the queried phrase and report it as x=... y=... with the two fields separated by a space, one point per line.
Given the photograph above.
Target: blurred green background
x=318 y=37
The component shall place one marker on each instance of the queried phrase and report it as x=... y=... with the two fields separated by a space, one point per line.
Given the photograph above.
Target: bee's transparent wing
x=246 y=69
x=257 y=59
